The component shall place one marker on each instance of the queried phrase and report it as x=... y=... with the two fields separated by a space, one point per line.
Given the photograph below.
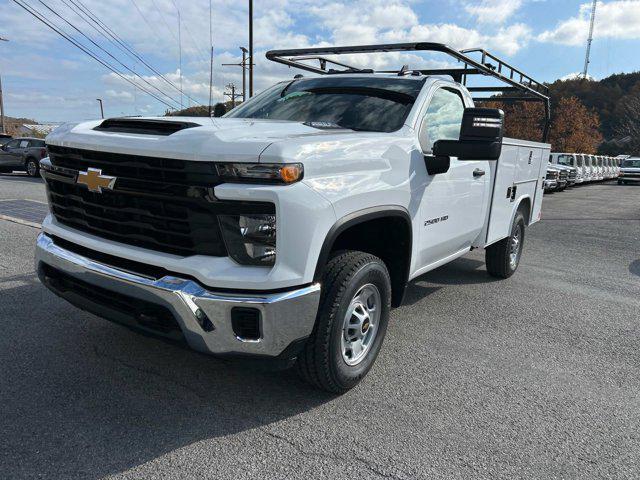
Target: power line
x=107 y=52
x=35 y=13
x=186 y=27
x=110 y=34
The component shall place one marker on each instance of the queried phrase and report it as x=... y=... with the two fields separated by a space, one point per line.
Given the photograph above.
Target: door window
x=13 y=144
x=443 y=118
x=24 y=143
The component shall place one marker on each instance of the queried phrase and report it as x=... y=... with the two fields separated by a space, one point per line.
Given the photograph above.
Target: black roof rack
x=518 y=85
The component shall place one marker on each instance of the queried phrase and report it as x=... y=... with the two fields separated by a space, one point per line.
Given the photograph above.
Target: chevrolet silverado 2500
x=290 y=227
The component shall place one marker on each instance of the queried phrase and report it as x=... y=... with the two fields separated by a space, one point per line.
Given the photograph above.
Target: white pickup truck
x=289 y=228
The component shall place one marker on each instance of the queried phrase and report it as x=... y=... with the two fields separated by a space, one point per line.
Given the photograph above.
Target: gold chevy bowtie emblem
x=95 y=181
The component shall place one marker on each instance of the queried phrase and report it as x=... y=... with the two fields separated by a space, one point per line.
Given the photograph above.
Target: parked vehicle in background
x=617 y=161
x=587 y=168
x=608 y=168
x=629 y=171
x=4 y=138
x=570 y=160
x=23 y=154
x=550 y=183
x=615 y=168
x=288 y=228
x=600 y=164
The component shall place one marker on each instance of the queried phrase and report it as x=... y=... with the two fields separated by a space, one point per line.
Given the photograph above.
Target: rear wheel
x=503 y=257
x=351 y=323
x=32 y=167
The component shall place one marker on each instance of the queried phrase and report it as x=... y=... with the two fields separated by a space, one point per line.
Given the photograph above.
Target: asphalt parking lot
x=533 y=377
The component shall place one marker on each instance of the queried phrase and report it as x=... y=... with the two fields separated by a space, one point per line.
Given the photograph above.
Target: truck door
x=452 y=207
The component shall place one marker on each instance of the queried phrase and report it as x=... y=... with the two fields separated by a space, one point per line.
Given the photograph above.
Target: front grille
x=160 y=204
x=572 y=175
x=140 y=168
x=563 y=175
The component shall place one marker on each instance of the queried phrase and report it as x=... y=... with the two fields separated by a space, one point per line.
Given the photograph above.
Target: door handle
x=478 y=172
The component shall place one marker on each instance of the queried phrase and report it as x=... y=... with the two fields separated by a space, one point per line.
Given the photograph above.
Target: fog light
x=250 y=239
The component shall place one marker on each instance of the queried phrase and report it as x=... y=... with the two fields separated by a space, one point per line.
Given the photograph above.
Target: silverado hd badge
x=95 y=181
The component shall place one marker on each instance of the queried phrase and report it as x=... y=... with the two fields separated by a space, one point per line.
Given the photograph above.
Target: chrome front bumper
x=286 y=318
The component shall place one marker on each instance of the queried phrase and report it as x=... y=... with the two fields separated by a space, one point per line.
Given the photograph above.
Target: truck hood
x=215 y=139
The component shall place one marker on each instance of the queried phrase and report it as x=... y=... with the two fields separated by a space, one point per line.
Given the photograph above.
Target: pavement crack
x=148 y=371
x=371 y=466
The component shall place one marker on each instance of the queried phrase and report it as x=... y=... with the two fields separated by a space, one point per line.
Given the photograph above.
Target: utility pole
x=242 y=64
x=180 y=58
x=2 y=129
x=590 y=39
x=211 y=59
x=251 y=48
x=232 y=95
x=101 y=109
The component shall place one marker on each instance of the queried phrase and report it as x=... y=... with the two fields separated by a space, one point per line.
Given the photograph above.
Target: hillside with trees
x=587 y=116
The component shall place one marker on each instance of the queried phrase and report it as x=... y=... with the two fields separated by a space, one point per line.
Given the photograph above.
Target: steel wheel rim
x=360 y=324
x=31 y=168
x=514 y=248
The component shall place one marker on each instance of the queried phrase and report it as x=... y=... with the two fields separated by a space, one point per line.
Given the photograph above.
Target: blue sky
x=47 y=79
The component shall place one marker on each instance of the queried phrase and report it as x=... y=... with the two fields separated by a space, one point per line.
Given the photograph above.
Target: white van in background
x=570 y=160
x=588 y=168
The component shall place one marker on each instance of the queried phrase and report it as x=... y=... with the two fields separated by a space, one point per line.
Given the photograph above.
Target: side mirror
x=480 y=136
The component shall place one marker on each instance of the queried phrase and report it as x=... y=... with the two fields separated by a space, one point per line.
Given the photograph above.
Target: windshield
x=631 y=163
x=356 y=103
x=565 y=160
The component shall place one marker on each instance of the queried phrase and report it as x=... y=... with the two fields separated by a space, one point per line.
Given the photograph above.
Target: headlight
x=284 y=173
x=250 y=239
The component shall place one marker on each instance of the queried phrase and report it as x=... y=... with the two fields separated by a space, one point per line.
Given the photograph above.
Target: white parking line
x=21 y=222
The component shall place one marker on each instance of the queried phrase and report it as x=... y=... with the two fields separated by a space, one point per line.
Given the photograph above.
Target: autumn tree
x=522 y=120
x=574 y=128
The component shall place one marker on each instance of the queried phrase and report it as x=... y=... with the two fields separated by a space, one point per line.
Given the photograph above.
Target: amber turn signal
x=291 y=173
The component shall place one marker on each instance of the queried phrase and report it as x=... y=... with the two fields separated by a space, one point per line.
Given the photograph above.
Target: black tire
x=498 y=256
x=322 y=362
x=32 y=167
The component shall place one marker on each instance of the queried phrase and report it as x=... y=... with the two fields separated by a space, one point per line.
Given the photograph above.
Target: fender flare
x=361 y=216
x=515 y=210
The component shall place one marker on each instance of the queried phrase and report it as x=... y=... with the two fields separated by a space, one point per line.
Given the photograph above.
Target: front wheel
x=351 y=322
x=32 y=167
x=503 y=257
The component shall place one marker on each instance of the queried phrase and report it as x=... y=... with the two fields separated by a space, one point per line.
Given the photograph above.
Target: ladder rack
x=519 y=86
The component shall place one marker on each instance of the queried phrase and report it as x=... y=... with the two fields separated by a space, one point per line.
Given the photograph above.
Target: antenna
x=590 y=39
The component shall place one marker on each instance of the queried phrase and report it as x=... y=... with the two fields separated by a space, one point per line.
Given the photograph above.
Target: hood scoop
x=143 y=126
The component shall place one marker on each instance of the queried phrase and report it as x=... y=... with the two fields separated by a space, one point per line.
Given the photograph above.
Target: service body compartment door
x=536 y=211
x=517 y=174
x=503 y=173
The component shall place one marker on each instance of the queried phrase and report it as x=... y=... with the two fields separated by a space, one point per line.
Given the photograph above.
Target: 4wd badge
x=95 y=181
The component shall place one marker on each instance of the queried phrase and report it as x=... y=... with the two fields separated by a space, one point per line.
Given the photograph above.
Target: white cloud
x=152 y=32
x=494 y=11
x=616 y=19
x=119 y=95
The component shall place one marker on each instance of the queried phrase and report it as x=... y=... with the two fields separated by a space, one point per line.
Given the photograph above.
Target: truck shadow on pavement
x=463 y=271
x=83 y=398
